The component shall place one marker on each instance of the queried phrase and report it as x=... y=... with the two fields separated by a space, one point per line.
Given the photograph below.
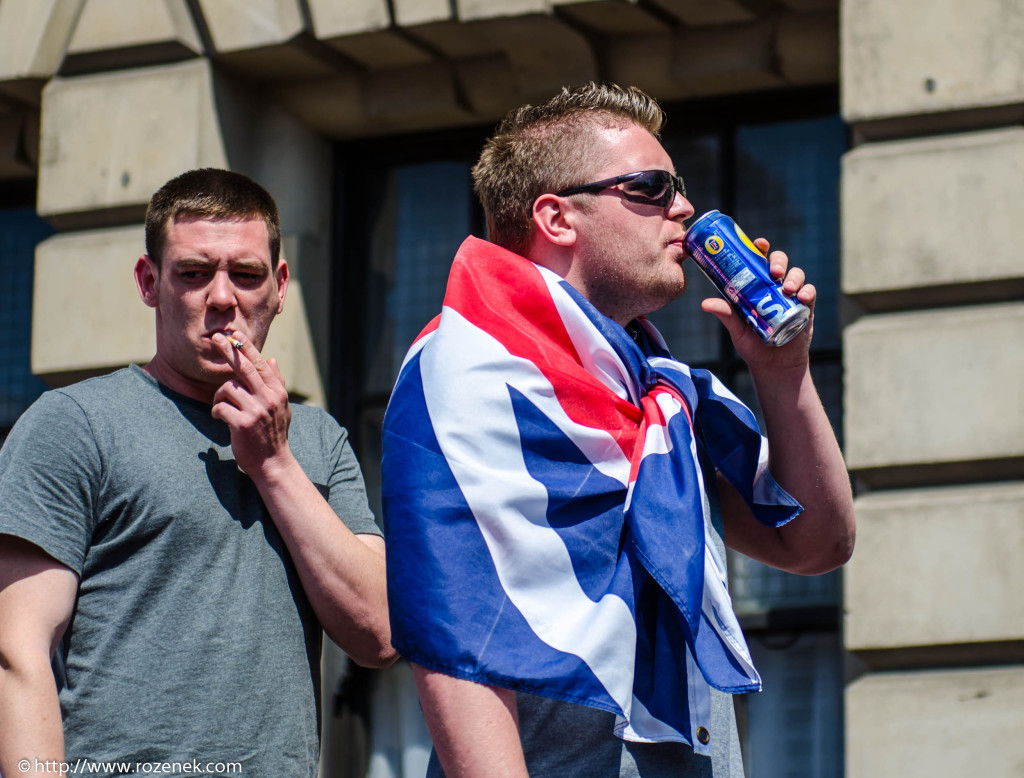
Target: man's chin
x=214 y=372
x=674 y=291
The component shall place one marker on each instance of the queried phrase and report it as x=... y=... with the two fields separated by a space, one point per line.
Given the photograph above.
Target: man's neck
x=167 y=376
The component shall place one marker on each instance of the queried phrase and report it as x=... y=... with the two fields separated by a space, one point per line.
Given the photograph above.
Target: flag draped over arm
x=545 y=505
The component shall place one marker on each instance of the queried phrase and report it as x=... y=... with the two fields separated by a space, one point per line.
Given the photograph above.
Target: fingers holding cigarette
x=257 y=366
x=237 y=342
x=253 y=403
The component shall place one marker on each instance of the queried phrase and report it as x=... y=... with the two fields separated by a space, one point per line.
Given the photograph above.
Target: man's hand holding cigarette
x=254 y=405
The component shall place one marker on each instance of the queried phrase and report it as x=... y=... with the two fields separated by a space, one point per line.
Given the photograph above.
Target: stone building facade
x=101 y=101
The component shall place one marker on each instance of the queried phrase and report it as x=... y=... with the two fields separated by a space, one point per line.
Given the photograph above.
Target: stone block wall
x=103 y=100
x=934 y=420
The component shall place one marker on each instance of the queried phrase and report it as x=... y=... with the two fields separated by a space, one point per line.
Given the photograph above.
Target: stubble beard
x=622 y=295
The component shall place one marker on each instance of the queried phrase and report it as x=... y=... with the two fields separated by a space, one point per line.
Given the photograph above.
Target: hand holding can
x=740 y=272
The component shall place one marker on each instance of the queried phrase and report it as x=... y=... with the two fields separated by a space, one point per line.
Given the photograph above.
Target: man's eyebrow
x=248 y=264
x=194 y=262
x=234 y=264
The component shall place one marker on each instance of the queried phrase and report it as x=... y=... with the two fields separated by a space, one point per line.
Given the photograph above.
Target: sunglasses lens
x=654 y=186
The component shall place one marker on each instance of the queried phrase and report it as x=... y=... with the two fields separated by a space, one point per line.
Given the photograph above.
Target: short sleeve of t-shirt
x=50 y=466
x=343 y=484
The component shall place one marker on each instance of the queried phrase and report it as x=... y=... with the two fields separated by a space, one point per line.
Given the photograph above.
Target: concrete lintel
x=545 y=52
x=75 y=335
x=936 y=567
x=418 y=94
x=299 y=59
x=489 y=85
x=455 y=40
x=109 y=141
x=382 y=49
x=808 y=47
x=112 y=24
x=414 y=12
x=811 y=6
x=907 y=377
x=937 y=723
x=331 y=106
x=332 y=19
x=253 y=24
x=470 y=10
x=34 y=35
x=974 y=181
x=920 y=57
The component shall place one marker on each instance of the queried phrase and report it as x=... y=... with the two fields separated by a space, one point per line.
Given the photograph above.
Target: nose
x=680 y=207
x=221 y=292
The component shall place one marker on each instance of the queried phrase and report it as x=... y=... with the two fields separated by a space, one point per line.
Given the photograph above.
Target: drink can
x=740 y=272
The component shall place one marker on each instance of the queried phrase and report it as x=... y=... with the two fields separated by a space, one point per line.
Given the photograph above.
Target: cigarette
x=234 y=342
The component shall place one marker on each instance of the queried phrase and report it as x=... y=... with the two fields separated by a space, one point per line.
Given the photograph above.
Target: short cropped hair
x=550 y=147
x=210 y=193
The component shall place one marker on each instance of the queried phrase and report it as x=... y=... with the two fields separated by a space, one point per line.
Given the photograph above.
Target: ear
x=552 y=217
x=282 y=277
x=146 y=278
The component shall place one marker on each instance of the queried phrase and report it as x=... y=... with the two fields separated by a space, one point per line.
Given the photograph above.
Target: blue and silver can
x=740 y=272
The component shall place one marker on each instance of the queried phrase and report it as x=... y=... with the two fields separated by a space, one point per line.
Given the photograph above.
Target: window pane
x=400 y=742
x=757 y=588
x=787 y=191
x=828 y=378
x=698 y=161
x=424 y=218
x=692 y=335
x=795 y=727
x=20 y=231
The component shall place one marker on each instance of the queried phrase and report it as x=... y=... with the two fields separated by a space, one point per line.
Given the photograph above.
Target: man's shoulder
x=101 y=387
x=311 y=422
x=83 y=397
x=309 y=416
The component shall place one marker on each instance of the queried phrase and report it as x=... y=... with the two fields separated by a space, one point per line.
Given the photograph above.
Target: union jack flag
x=546 y=510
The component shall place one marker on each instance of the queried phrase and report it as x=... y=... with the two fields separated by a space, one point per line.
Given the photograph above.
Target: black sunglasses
x=650 y=187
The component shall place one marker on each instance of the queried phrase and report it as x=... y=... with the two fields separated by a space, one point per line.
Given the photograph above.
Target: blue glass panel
x=795 y=726
x=692 y=335
x=424 y=218
x=757 y=588
x=20 y=231
x=432 y=221
x=788 y=191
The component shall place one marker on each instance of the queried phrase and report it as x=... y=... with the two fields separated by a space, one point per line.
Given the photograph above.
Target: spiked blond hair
x=549 y=147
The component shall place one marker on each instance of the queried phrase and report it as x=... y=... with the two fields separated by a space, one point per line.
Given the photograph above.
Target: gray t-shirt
x=191 y=636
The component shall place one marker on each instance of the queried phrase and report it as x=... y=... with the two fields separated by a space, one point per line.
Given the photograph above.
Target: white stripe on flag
x=597 y=357
x=510 y=506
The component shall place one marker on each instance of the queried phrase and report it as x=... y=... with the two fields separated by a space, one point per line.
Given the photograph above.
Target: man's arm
x=475 y=728
x=37 y=595
x=804 y=456
x=341 y=573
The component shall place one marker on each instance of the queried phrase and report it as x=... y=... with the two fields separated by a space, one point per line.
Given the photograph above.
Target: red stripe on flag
x=433 y=325
x=526 y=321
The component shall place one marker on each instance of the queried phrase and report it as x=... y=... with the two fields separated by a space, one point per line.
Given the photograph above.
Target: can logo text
x=713 y=244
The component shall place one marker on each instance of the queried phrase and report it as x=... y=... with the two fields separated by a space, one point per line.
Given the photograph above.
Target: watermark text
x=88 y=767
